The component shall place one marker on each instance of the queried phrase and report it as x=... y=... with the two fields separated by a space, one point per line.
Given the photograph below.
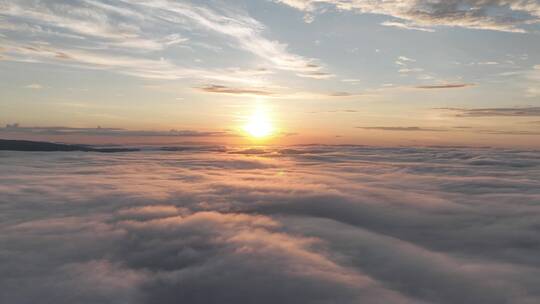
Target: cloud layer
x=303 y=224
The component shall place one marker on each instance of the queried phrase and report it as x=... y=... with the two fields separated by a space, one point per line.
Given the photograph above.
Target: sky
x=398 y=72
x=313 y=224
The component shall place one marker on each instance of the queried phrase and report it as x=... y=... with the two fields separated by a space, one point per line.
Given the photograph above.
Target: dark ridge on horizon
x=41 y=146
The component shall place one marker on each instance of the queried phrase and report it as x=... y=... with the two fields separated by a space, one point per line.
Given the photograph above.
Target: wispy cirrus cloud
x=495 y=112
x=410 y=70
x=510 y=132
x=144 y=67
x=499 y=15
x=116 y=132
x=104 y=24
x=533 y=81
x=335 y=111
x=274 y=92
x=34 y=86
x=403 y=60
x=235 y=91
x=453 y=129
x=244 y=30
x=316 y=75
x=405 y=65
x=412 y=129
x=407 y=26
x=131 y=37
x=446 y=86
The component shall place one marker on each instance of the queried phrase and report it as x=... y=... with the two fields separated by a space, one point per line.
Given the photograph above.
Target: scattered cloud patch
x=510 y=132
x=411 y=70
x=496 y=112
x=335 y=111
x=407 y=26
x=221 y=89
x=34 y=86
x=316 y=75
x=446 y=86
x=405 y=65
x=403 y=129
x=402 y=60
x=351 y=80
x=340 y=94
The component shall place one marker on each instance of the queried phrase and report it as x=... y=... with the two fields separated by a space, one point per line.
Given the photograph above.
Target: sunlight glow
x=259 y=124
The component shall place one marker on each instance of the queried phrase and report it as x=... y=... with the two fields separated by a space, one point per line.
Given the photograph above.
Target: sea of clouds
x=309 y=224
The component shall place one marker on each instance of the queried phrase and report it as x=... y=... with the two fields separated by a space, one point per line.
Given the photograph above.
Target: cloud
x=245 y=31
x=399 y=225
x=316 y=75
x=510 y=132
x=34 y=86
x=235 y=91
x=274 y=92
x=404 y=63
x=533 y=81
x=99 y=131
x=340 y=94
x=406 y=26
x=446 y=86
x=335 y=111
x=402 y=60
x=488 y=63
x=84 y=18
x=462 y=128
x=498 y=15
x=403 y=129
x=128 y=65
x=131 y=37
x=352 y=80
x=412 y=70
x=496 y=112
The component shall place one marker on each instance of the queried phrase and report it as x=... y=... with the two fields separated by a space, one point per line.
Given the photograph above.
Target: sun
x=259 y=124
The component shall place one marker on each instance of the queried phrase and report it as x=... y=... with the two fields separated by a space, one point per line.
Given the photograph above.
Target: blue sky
x=330 y=71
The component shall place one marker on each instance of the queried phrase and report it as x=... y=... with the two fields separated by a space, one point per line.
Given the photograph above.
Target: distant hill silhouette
x=39 y=146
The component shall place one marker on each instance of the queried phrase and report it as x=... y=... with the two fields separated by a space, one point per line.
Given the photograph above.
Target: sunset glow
x=259 y=125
